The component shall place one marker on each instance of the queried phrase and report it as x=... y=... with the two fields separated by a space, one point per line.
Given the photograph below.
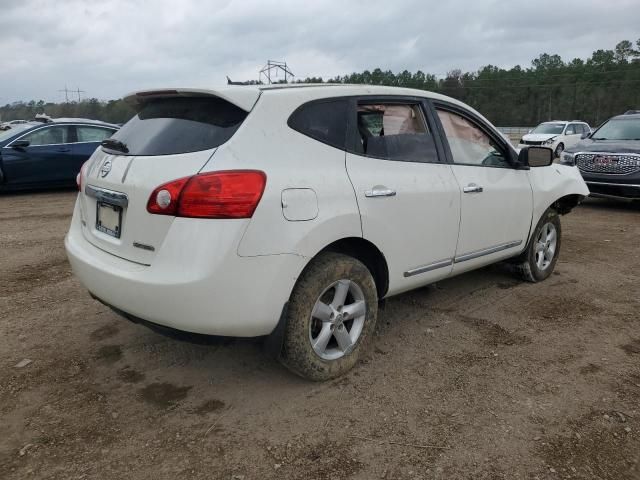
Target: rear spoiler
x=242 y=97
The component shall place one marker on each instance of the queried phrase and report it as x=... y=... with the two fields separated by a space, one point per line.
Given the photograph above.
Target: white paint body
x=233 y=277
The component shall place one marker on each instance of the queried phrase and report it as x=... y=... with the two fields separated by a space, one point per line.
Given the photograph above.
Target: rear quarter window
x=167 y=126
x=322 y=120
x=92 y=134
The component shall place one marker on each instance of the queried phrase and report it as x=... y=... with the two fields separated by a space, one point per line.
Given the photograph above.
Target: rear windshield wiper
x=113 y=144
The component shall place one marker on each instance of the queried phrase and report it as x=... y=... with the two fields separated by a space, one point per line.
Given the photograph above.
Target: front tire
x=559 y=150
x=331 y=316
x=539 y=260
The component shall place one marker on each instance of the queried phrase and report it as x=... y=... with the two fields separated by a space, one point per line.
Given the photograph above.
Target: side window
x=324 y=120
x=92 y=134
x=48 y=136
x=394 y=132
x=469 y=144
x=571 y=129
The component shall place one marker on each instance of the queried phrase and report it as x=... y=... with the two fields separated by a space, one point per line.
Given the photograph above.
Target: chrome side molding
x=428 y=268
x=461 y=258
x=487 y=251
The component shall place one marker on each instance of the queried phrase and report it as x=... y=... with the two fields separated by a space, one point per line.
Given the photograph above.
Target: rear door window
x=322 y=120
x=54 y=135
x=166 y=126
x=394 y=132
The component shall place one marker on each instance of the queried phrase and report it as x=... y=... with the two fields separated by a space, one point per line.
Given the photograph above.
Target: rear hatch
x=173 y=135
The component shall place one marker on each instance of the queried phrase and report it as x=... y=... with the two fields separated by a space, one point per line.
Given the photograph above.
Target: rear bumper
x=207 y=289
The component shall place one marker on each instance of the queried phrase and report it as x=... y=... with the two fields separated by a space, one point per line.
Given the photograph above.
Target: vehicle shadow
x=228 y=358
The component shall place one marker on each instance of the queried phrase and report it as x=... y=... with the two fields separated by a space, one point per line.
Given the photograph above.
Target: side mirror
x=536 y=156
x=20 y=144
x=584 y=135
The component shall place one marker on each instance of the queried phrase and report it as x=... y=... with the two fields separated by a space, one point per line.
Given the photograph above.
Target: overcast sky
x=111 y=47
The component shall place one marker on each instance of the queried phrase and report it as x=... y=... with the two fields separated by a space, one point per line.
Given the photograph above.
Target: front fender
x=552 y=183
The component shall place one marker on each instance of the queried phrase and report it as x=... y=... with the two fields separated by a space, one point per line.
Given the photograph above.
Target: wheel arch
x=366 y=252
x=566 y=203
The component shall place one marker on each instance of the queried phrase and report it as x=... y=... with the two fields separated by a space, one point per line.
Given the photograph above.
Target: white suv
x=290 y=211
x=557 y=135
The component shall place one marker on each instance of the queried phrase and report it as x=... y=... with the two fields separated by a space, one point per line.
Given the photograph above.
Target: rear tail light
x=224 y=194
x=80 y=175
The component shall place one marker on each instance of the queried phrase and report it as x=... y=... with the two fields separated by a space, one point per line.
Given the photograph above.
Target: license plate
x=108 y=219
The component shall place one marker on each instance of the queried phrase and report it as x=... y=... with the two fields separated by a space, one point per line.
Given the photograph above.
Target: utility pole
x=79 y=91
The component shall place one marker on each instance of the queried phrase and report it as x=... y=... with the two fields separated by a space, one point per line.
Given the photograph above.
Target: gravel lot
x=477 y=377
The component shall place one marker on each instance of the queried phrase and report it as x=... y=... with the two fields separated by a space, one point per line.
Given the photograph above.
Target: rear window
x=166 y=126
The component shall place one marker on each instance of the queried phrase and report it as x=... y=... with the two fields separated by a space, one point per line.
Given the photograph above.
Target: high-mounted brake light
x=223 y=194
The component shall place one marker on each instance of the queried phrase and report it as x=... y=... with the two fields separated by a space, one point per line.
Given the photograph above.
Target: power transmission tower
x=273 y=66
x=66 y=94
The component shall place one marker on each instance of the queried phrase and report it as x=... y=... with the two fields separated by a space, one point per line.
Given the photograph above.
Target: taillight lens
x=81 y=175
x=224 y=194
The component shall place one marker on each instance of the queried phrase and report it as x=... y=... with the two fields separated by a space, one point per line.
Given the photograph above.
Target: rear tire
x=539 y=259
x=331 y=316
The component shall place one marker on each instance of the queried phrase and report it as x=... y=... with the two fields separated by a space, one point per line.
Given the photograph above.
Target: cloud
x=111 y=47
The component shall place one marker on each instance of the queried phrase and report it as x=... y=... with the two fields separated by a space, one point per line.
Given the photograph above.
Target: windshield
x=554 y=128
x=619 y=129
x=13 y=131
x=166 y=126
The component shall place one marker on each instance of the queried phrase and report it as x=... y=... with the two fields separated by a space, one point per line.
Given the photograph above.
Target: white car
x=290 y=211
x=557 y=135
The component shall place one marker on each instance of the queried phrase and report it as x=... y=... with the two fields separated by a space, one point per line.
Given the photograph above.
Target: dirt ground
x=477 y=377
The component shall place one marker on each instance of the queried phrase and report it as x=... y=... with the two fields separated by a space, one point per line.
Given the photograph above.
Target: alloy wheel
x=546 y=245
x=337 y=320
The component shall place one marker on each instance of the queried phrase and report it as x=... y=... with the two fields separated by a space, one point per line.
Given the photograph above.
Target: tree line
x=605 y=84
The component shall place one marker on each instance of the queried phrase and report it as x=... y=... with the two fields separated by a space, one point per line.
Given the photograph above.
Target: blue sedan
x=42 y=155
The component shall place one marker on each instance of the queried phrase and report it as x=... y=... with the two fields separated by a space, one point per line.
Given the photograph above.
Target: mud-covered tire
x=528 y=265
x=316 y=283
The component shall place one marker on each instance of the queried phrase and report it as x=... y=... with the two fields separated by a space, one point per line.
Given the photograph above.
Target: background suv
x=289 y=211
x=609 y=159
x=557 y=135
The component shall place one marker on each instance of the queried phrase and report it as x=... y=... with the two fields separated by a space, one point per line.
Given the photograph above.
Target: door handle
x=63 y=150
x=380 y=191
x=472 y=188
